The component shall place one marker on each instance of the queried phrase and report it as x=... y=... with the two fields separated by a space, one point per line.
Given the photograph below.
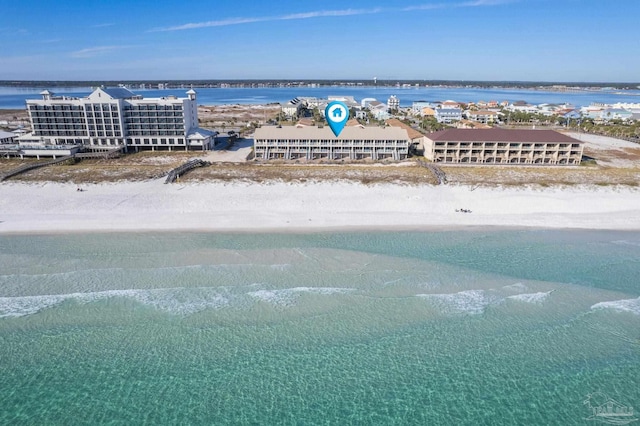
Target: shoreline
x=280 y=207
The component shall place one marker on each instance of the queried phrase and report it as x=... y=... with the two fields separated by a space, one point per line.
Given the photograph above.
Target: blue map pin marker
x=337 y=115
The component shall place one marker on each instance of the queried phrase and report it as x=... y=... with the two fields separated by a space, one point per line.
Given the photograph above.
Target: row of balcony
x=152 y=107
x=157 y=133
x=55 y=108
x=157 y=120
x=63 y=114
x=60 y=133
x=134 y=114
x=503 y=152
x=59 y=127
x=336 y=150
x=480 y=145
x=332 y=143
x=156 y=127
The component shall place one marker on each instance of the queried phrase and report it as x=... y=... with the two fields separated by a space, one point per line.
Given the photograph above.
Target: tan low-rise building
x=483 y=116
x=502 y=146
x=312 y=143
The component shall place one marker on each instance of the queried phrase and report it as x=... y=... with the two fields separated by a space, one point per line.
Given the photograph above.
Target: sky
x=489 y=40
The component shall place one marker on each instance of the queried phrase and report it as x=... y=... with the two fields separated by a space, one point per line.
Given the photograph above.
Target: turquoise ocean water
x=460 y=327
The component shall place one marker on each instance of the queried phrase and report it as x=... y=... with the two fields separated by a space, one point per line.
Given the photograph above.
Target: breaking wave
x=531 y=297
x=181 y=301
x=178 y=301
x=288 y=296
x=464 y=302
x=625 y=305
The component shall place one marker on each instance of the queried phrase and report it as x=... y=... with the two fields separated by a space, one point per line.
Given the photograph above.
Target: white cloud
x=293 y=16
x=330 y=13
x=90 y=52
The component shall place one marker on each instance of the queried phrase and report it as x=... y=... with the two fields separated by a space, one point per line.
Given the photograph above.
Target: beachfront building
x=353 y=143
x=502 y=146
x=393 y=103
x=113 y=117
x=7 y=137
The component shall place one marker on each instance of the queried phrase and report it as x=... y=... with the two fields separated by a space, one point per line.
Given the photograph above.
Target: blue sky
x=542 y=40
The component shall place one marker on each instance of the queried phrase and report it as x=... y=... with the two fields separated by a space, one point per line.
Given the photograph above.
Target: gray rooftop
x=118 y=92
x=348 y=133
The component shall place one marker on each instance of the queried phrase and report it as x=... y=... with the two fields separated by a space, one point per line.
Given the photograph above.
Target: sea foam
x=624 y=305
x=465 y=302
x=288 y=296
x=531 y=297
x=181 y=301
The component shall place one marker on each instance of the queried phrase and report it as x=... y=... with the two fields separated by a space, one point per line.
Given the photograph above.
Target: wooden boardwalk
x=111 y=153
x=32 y=166
x=437 y=171
x=179 y=171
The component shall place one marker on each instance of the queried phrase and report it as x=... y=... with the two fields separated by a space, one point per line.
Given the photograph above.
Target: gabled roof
x=413 y=133
x=500 y=135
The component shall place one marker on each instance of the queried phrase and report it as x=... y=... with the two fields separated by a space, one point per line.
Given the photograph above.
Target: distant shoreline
x=174 y=84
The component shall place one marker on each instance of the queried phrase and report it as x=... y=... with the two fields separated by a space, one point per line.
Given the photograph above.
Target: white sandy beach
x=152 y=205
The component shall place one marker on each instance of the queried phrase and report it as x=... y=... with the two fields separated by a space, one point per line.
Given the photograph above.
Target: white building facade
x=393 y=103
x=111 y=117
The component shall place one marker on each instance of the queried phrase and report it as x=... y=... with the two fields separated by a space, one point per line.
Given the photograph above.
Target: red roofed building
x=502 y=146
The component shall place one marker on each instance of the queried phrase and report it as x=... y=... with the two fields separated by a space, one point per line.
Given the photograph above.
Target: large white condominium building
x=354 y=142
x=111 y=117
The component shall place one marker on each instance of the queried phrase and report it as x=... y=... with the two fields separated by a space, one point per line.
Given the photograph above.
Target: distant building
x=379 y=110
x=522 y=106
x=468 y=124
x=483 y=116
x=361 y=115
x=450 y=104
x=572 y=115
x=112 y=117
x=418 y=107
x=501 y=146
x=393 y=103
x=609 y=114
x=448 y=115
x=354 y=143
x=366 y=101
x=347 y=100
x=292 y=108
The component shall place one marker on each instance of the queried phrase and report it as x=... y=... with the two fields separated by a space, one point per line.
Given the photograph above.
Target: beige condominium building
x=502 y=146
x=111 y=117
x=354 y=143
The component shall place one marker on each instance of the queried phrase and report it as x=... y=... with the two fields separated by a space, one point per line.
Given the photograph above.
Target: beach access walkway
x=184 y=168
x=111 y=153
x=437 y=171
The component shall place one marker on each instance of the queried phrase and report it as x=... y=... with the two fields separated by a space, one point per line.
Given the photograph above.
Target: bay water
x=488 y=326
x=15 y=97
